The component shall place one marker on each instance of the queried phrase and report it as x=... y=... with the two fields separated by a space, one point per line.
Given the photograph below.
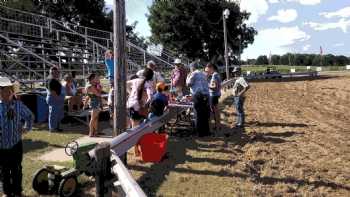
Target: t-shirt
x=110 y=68
x=240 y=83
x=54 y=85
x=158 y=103
x=198 y=83
x=215 y=78
x=132 y=88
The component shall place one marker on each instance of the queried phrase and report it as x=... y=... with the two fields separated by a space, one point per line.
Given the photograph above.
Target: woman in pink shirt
x=140 y=94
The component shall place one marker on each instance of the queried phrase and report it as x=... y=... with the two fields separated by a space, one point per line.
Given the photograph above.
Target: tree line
x=300 y=59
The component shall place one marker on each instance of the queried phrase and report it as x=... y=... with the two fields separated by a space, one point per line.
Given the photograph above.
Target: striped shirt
x=14 y=116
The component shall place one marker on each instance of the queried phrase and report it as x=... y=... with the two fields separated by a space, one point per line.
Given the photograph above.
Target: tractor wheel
x=68 y=186
x=40 y=182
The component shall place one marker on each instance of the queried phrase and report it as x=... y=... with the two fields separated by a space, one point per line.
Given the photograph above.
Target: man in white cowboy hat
x=15 y=120
x=178 y=78
x=239 y=88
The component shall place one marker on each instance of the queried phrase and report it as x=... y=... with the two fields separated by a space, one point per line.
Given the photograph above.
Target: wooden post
x=120 y=68
x=103 y=174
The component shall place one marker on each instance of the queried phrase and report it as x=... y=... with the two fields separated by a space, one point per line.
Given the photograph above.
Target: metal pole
x=226 y=51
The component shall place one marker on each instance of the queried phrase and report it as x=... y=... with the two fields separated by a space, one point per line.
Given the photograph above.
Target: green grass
x=36 y=143
x=286 y=69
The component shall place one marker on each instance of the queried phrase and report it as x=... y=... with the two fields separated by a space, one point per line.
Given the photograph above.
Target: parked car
x=272 y=73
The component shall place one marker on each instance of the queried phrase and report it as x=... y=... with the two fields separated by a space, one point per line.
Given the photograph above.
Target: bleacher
x=30 y=44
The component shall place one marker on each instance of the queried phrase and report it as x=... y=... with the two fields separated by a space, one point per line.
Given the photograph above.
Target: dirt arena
x=296 y=143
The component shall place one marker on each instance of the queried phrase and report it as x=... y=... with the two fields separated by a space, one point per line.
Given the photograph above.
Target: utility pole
x=120 y=72
x=225 y=15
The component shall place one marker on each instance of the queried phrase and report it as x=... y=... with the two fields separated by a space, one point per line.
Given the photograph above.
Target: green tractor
x=61 y=180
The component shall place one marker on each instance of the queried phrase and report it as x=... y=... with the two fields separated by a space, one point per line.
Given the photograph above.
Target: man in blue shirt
x=198 y=83
x=15 y=120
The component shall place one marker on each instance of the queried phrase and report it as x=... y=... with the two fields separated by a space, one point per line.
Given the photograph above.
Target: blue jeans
x=238 y=102
x=56 y=110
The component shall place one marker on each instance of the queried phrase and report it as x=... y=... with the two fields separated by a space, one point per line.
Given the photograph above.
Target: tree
x=262 y=60
x=341 y=60
x=195 y=28
x=284 y=60
x=275 y=59
x=90 y=13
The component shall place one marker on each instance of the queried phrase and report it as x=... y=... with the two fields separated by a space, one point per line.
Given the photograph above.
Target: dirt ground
x=296 y=143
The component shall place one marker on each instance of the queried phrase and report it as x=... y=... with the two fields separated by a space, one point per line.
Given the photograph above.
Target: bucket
x=153 y=147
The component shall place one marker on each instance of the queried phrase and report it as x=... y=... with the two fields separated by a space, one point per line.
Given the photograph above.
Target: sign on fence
x=292 y=70
x=319 y=69
x=347 y=67
x=248 y=72
x=308 y=67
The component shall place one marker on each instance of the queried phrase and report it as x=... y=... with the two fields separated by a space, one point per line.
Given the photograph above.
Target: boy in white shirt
x=239 y=88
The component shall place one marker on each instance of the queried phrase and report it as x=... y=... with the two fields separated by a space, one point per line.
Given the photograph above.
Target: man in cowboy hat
x=239 y=88
x=15 y=120
x=178 y=78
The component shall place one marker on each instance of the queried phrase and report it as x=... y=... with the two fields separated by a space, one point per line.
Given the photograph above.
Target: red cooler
x=153 y=147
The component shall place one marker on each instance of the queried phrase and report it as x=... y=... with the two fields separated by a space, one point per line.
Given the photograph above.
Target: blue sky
x=298 y=26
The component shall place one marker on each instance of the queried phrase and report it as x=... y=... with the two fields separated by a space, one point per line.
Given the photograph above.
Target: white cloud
x=284 y=16
x=306 y=47
x=338 y=45
x=344 y=13
x=257 y=8
x=303 y=2
x=343 y=24
x=276 y=40
x=307 y=2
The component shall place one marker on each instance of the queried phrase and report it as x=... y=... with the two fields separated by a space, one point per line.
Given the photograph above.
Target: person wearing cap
x=214 y=92
x=198 y=83
x=159 y=101
x=239 y=88
x=55 y=100
x=157 y=77
x=178 y=78
x=15 y=120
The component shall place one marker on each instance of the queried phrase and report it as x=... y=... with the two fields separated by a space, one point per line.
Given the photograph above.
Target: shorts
x=214 y=100
x=135 y=115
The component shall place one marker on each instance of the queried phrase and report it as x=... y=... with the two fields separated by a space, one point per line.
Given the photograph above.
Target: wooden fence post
x=103 y=175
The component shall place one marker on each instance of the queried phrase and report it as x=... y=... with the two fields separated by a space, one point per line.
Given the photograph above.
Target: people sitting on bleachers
x=93 y=91
x=159 y=101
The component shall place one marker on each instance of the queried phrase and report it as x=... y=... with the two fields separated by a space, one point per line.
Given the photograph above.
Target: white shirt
x=132 y=89
x=240 y=83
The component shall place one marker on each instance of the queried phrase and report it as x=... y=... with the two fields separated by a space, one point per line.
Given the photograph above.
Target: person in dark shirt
x=159 y=101
x=55 y=100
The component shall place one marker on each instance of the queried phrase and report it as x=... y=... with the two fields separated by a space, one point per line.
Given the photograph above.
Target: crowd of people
x=148 y=97
x=148 y=94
